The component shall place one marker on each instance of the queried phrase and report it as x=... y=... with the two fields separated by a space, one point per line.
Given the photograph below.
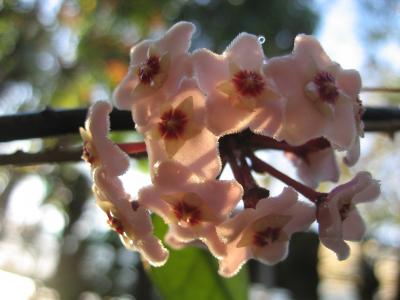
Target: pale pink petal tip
x=171 y=240
x=153 y=251
x=179 y=36
x=353 y=154
x=113 y=160
x=230 y=270
x=341 y=248
x=246 y=51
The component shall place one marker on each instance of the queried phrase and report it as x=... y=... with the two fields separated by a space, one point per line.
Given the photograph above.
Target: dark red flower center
x=326 y=85
x=248 y=83
x=115 y=224
x=172 y=124
x=149 y=69
x=86 y=153
x=187 y=213
x=266 y=236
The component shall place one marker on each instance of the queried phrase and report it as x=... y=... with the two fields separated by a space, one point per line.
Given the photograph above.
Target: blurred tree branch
x=60 y=122
x=57 y=155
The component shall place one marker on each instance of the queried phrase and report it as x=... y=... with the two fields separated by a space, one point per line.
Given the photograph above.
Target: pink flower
x=157 y=67
x=98 y=149
x=322 y=98
x=190 y=206
x=338 y=217
x=108 y=161
x=237 y=88
x=128 y=218
x=316 y=166
x=263 y=233
x=179 y=132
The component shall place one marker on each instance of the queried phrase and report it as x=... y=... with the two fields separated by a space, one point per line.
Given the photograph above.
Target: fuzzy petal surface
x=316 y=166
x=194 y=146
x=107 y=155
x=338 y=217
x=310 y=114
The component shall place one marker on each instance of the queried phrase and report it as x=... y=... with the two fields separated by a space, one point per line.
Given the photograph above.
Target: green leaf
x=192 y=274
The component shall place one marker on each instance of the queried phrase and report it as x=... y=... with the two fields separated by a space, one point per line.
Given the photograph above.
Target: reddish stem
x=265 y=142
x=261 y=166
x=132 y=148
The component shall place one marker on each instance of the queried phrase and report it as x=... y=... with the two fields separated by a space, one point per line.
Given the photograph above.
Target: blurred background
x=54 y=242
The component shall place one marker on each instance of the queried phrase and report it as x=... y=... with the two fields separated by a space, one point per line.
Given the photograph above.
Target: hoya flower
x=156 y=66
x=316 y=166
x=322 y=98
x=179 y=132
x=98 y=149
x=338 y=217
x=263 y=232
x=191 y=207
x=128 y=218
x=239 y=94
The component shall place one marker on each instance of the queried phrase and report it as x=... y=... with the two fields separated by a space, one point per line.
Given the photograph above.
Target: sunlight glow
x=16 y=287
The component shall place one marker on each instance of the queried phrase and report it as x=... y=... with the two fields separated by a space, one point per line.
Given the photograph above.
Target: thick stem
x=261 y=166
x=21 y=158
x=58 y=122
x=248 y=178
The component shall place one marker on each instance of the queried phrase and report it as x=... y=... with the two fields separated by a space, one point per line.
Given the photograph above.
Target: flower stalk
x=261 y=166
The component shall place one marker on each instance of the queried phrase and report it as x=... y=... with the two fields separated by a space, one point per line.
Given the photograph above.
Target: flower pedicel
x=194 y=110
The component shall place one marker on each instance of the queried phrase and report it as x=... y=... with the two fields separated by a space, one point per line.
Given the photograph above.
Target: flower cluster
x=201 y=111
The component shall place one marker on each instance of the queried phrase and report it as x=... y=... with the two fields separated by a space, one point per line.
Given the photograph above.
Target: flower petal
x=273 y=253
x=172 y=174
x=338 y=246
x=195 y=147
x=303 y=214
x=231 y=228
x=342 y=130
x=177 y=39
x=234 y=120
x=268 y=117
x=153 y=251
x=139 y=52
x=369 y=189
x=111 y=157
x=215 y=245
x=308 y=50
x=350 y=82
x=353 y=154
x=210 y=69
x=236 y=257
x=276 y=205
x=221 y=196
x=149 y=197
x=246 y=51
x=353 y=226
